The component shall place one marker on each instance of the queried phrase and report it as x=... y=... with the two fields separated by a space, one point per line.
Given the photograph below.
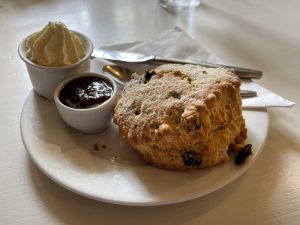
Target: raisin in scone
x=182 y=116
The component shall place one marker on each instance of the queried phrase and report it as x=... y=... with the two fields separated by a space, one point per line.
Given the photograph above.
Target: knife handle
x=242 y=73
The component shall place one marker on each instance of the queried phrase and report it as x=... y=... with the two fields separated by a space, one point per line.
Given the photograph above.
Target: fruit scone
x=182 y=116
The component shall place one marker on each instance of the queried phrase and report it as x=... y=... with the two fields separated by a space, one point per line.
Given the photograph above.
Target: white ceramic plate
x=105 y=168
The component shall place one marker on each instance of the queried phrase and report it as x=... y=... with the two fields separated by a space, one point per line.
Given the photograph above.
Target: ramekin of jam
x=86 y=102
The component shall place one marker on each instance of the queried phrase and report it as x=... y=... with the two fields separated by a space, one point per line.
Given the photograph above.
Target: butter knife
x=243 y=73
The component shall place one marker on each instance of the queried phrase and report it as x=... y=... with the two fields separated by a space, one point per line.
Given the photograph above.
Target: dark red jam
x=86 y=92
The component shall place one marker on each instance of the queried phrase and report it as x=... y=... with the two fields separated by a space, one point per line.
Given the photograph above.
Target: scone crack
x=175 y=94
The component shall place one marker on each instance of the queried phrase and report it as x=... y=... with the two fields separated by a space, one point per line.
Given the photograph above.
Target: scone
x=182 y=116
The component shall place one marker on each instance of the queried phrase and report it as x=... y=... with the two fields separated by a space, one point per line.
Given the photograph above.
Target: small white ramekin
x=88 y=120
x=45 y=79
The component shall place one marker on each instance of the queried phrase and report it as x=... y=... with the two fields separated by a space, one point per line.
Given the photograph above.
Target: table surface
x=258 y=34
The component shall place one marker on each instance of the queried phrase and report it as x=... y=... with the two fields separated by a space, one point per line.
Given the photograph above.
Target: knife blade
x=123 y=56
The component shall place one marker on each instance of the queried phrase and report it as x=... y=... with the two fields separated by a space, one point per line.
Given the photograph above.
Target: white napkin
x=176 y=43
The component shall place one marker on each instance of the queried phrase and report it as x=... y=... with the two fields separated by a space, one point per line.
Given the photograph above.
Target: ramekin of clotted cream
x=54 y=54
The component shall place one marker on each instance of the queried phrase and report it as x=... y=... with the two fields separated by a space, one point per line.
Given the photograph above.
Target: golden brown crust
x=182 y=116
